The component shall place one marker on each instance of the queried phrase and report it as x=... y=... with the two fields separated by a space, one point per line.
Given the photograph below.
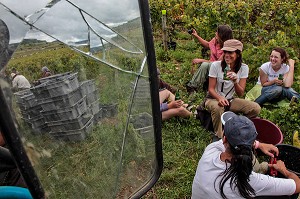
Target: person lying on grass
x=170 y=107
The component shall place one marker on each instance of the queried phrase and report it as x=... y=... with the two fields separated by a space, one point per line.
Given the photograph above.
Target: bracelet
x=256 y=144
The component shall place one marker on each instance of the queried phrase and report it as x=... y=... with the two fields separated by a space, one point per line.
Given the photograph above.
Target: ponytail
x=238 y=172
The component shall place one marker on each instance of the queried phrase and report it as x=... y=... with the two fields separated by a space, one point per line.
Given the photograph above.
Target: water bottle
x=226 y=69
x=177 y=96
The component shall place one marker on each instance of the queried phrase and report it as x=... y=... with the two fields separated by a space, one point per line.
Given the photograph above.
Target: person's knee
x=254 y=110
x=274 y=92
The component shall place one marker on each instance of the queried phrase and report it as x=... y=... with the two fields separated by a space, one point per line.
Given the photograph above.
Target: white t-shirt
x=216 y=72
x=210 y=166
x=20 y=82
x=267 y=69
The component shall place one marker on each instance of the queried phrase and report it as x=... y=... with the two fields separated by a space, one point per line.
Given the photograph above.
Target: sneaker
x=190 y=107
x=190 y=89
x=293 y=100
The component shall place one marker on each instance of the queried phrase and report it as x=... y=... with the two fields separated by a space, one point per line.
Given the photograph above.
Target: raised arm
x=202 y=41
x=288 y=78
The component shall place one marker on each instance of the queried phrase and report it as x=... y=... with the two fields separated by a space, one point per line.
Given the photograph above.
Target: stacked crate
x=88 y=89
x=30 y=110
x=142 y=94
x=143 y=124
x=63 y=106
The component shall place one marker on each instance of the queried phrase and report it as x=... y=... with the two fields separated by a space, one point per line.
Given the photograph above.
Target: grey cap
x=45 y=69
x=239 y=130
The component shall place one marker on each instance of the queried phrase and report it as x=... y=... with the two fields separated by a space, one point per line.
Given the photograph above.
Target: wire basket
x=290 y=155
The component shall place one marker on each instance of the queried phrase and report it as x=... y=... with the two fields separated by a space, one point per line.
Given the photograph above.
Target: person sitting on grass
x=276 y=78
x=223 y=33
x=224 y=83
x=170 y=107
x=225 y=169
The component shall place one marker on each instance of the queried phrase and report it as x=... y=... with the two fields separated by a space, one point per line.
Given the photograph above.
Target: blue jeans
x=275 y=93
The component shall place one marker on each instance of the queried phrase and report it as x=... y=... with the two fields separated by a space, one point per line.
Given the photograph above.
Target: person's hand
x=291 y=62
x=268 y=149
x=278 y=82
x=222 y=101
x=194 y=33
x=279 y=166
x=232 y=76
x=175 y=104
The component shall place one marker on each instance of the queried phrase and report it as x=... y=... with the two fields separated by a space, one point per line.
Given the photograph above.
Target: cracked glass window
x=85 y=119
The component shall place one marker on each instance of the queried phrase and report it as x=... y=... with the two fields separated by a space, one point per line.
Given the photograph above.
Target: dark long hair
x=238 y=172
x=283 y=54
x=238 y=62
x=225 y=33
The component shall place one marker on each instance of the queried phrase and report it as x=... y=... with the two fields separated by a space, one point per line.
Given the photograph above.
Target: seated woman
x=223 y=33
x=172 y=108
x=276 y=78
x=221 y=91
x=225 y=169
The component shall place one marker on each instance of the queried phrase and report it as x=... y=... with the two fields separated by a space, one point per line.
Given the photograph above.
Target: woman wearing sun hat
x=225 y=169
x=221 y=92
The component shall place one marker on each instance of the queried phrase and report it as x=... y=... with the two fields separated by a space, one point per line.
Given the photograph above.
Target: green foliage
x=162 y=55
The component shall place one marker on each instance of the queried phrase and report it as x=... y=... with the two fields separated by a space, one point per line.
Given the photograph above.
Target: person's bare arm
x=202 y=41
x=264 y=79
x=288 y=78
x=280 y=166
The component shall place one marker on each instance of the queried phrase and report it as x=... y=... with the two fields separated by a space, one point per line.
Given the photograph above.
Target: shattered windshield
x=85 y=120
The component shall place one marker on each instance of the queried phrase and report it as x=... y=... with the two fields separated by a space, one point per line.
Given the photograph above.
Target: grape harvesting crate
x=68 y=113
x=74 y=135
x=66 y=125
x=109 y=110
x=62 y=101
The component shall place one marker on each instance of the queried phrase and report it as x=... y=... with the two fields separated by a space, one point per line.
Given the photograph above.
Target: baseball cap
x=238 y=129
x=232 y=45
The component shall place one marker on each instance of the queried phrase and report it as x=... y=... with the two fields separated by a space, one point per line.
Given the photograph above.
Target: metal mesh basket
x=290 y=155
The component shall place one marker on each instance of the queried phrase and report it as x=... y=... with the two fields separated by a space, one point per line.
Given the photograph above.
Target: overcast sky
x=63 y=20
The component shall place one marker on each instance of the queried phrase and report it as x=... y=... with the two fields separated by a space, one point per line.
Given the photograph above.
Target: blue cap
x=239 y=130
